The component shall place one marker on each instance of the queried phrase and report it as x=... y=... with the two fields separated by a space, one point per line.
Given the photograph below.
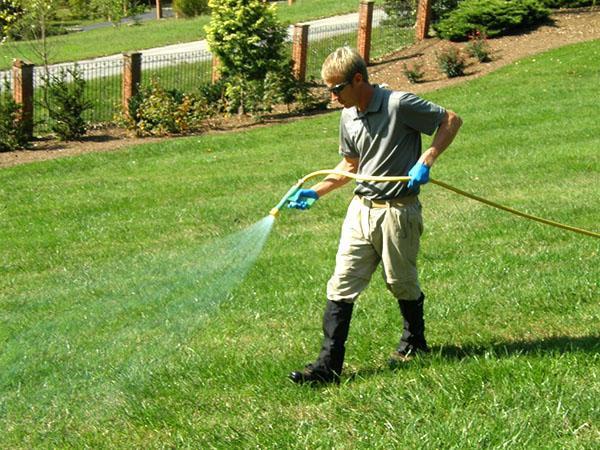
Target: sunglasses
x=339 y=87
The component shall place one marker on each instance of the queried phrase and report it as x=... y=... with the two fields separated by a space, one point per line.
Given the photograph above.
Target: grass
x=113 y=40
x=110 y=339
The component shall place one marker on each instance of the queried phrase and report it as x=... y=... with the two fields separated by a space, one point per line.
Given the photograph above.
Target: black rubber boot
x=328 y=366
x=412 y=340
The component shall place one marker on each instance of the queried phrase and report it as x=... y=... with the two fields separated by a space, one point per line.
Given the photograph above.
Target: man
x=380 y=135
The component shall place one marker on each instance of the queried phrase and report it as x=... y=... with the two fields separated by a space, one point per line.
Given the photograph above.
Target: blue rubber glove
x=419 y=174
x=303 y=199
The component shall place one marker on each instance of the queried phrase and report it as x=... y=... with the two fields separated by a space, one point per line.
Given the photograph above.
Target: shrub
x=65 y=101
x=12 y=129
x=414 y=73
x=451 y=62
x=191 y=8
x=478 y=47
x=250 y=44
x=246 y=37
x=157 y=111
x=495 y=17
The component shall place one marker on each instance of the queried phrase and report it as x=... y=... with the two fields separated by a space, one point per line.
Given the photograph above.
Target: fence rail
x=106 y=79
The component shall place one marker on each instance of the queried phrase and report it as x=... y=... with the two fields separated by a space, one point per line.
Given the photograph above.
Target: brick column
x=132 y=77
x=22 y=73
x=300 y=50
x=215 y=75
x=423 y=19
x=159 y=11
x=365 y=25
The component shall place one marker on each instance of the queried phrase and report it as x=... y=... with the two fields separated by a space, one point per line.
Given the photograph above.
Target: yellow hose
x=453 y=189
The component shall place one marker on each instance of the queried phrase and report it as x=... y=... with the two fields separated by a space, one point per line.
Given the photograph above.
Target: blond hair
x=344 y=62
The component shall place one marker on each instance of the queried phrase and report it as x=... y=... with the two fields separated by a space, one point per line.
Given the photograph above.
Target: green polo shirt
x=386 y=138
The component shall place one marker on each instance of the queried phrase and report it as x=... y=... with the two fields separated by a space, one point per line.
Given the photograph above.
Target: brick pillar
x=300 y=50
x=365 y=25
x=159 y=11
x=423 y=19
x=215 y=75
x=23 y=93
x=132 y=77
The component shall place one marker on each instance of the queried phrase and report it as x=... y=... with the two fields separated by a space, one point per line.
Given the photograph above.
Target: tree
x=10 y=12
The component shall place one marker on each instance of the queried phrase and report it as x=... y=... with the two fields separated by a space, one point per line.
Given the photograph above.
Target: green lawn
x=109 y=41
x=126 y=320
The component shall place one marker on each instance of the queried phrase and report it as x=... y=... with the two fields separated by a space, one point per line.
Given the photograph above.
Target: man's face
x=343 y=90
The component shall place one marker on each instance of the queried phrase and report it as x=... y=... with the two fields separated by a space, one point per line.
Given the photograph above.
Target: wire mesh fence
x=182 y=71
x=5 y=82
x=102 y=89
x=388 y=36
x=324 y=39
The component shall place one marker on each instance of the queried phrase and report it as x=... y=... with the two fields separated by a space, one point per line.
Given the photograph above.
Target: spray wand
x=292 y=195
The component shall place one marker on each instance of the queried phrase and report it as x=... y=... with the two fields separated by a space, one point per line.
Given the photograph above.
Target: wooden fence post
x=23 y=93
x=159 y=11
x=300 y=50
x=291 y=2
x=423 y=19
x=365 y=25
x=132 y=77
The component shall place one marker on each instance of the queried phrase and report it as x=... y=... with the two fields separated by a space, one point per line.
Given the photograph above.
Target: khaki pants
x=372 y=233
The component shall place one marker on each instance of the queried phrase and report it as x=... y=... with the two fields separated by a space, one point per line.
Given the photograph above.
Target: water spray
x=292 y=195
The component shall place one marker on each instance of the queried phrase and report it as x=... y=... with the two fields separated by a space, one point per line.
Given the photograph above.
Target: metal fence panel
x=6 y=81
x=184 y=71
x=324 y=39
x=102 y=89
x=388 y=37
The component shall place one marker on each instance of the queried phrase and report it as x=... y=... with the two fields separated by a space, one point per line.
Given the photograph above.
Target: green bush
x=413 y=73
x=65 y=101
x=157 y=111
x=478 y=47
x=495 y=17
x=249 y=42
x=246 y=37
x=451 y=62
x=191 y=8
x=12 y=129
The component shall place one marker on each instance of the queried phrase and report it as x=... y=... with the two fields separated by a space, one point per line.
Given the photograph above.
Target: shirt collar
x=374 y=104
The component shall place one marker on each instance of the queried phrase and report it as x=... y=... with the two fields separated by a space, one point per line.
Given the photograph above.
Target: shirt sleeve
x=420 y=114
x=347 y=147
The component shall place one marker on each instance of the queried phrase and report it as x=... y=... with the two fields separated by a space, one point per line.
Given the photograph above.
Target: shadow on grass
x=557 y=344
x=496 y=350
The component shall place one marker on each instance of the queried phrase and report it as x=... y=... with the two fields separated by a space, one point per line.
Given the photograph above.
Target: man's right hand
x=303 y=199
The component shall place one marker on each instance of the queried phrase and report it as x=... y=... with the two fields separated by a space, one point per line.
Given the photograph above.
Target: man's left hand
x=419 y=174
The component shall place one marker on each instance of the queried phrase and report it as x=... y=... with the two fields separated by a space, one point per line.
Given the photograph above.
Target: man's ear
x=357 y=78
